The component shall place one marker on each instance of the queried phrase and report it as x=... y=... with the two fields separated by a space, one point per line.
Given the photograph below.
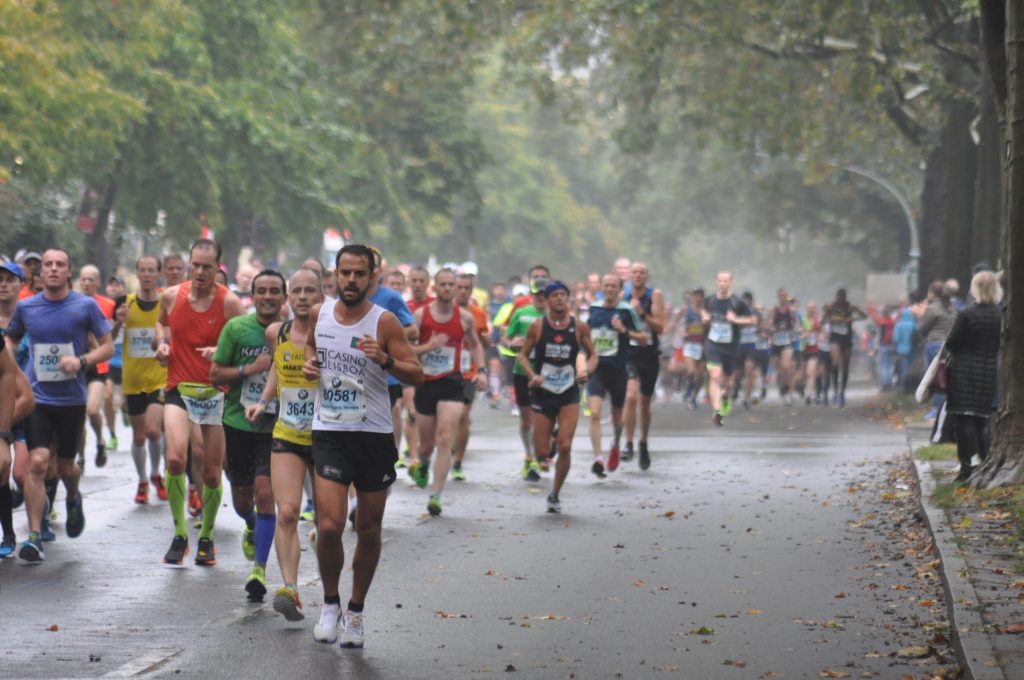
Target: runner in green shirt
x=242 y=361
x=515 y=334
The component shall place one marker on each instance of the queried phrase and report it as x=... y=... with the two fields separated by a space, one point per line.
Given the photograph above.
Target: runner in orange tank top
x=193 y=314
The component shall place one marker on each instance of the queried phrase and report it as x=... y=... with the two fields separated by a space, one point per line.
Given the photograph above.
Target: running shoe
x=598 y=469
x=326 y=629
x=533 y=471
x=142 y=494
x=401 y=463
x=434 y=505
x=420 y=474
x=101 y=455
x=178 y=550
x=75 y=524
x=526 y=469
x=352 y=517
x=158 y=485
x=726 y=407
x=352 y=636
x=206 y=552
x=307 y=514
x=249 y=543
x=495 y=402
x=256 y=586
x=614 y=455
x=693 y=404
x=45 y=529
x=125 y=420
x=716 y=419
x=545 y=464
x=745 y=404
x=195 y=502
x=554 y=505
x=842 y=400
x=287 y=604
x=457 y=474
x=627 y=454
x=112 y=442
x=8 y=545
x=32 y=550
x=645 y=456
x=81 y=462
x=514 y=412
x=17 y=497
x=586 y=411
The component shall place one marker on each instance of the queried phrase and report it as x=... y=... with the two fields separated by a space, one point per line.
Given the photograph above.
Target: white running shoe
x=326 y=630
x=352 y=634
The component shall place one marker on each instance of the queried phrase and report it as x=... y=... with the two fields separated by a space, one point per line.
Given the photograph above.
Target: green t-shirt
x=518 y=326
x=241 y=341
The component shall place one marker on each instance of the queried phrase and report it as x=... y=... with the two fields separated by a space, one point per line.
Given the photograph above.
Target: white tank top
x=353 y=392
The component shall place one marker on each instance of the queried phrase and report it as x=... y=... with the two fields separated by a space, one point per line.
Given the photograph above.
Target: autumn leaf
x=916 y=652
x=926 y=603
x=447 y=615
x=639 y=583
x=833 y=674
x=54 y=628
x=703 y=630
x=840 y=596
x=1012 y=628
x=669 y=515
x=753 y=612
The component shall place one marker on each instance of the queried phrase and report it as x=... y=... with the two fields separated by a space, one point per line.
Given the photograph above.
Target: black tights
x=971 y=438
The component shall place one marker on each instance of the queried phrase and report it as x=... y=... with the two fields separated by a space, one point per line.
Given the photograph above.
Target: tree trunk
x=986 y=229
x=97 y=246
x=948 y=197
x=1003 y=465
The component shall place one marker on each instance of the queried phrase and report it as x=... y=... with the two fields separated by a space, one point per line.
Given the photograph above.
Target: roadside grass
x=936 y=452
x=1002 y=507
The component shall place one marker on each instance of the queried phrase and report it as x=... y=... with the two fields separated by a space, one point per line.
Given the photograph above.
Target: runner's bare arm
x=25 y=402
x=469 y=331
x=103 y=350
x=161 y=335
x=656 y=319
x=233 y=306
x=311 y=367
x=392 y=340
x=529 y=342
x=8 y=391
x=587 y=343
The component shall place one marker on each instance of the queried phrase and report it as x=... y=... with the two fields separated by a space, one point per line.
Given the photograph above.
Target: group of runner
x=282 y=384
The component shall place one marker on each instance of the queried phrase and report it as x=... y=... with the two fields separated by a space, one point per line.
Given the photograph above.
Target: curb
x=971 y=642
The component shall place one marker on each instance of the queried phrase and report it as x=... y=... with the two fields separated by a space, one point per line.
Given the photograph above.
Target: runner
x=783 y=334
x=174 y=270
x=143 y=378
x=612 y=325
x=497 y=299
x=812 y=337
x=193 y=314
x=515 y=335
x=841 y=315
x=419 y=286
x=506 y=352
x=242 y=363
x=96 y=376
x=725 y=313
x=443 y=329
x=644 y=360
x=291 y=456
x=464 y=293
x=58 y=323
x=549 y=359
x=695 y=334
x=752 y=346
x=113 y=399
x=353 y=344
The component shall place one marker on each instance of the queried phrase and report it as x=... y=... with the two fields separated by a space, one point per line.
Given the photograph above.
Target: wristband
x=263 y=402
x=83 y=363
x=388 y=363
x=241 y=372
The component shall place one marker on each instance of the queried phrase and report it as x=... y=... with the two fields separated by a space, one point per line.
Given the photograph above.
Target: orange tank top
x=189 y=330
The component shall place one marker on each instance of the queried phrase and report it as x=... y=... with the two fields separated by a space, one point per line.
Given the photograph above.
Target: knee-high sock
x=177 y=492
x=211 y=505
x=6 y=510
x=265 y=525
x=139 y=458
x=156 y=450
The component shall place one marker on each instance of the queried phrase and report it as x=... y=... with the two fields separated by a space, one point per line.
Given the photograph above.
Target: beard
x=357 y=300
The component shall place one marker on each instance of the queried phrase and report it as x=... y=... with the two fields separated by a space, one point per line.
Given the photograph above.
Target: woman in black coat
x=973 y=370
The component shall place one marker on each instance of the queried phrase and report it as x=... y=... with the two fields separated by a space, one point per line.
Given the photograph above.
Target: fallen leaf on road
x=490 y=572
x=639 y=583
x=833 y=674
x=703 y=630
x=840 y=596
x=753 y=612
x=54 y=628
x=926 y=603
x=669 y=515
x=1012 y=628
x=873 y=655
x=447 y=615
x=510 y=668
x=916 y=652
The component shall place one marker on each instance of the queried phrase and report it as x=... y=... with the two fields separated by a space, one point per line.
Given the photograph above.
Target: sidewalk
x=982 y=574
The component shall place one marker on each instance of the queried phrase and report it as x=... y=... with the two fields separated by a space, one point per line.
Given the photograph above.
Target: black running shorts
x=644 y=365
x=549 y=404
x=610 y=380
x=448 y=388
x=365 y=460
x=247 y=455
x=56 y=426
x=136 y=404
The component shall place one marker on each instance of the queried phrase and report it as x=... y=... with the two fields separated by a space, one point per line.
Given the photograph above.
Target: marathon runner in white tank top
x=353 y=346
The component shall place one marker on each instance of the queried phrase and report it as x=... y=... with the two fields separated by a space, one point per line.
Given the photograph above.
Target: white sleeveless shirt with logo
x=352 y=395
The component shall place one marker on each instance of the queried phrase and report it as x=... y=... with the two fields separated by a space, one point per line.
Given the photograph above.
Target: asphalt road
x=742 y=552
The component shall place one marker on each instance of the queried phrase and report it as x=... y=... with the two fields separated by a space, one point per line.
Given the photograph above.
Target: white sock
x=139 y=458
x=526 y=436
x=307 y=485
x=155 y=452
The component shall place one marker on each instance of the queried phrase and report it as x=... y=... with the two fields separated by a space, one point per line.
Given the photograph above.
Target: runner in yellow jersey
x=292 y=448
x=143 y=378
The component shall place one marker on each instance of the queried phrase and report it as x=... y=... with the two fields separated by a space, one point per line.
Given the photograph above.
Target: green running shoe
x=434 y=505
x=307 y=514
x=256 y=586
x=457 y=474
x=533 y=472
x=420 y=473
x=726 y=407
x=249 y=544
x=112 y=442
x=287 y=603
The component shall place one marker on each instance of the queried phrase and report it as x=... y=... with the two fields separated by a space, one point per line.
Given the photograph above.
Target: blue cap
x=15 y=269
x=553 y=286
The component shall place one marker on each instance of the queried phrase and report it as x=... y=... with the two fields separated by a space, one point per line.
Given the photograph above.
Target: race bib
x=812 y=339
x=606 y=341
x=342 y=399
x=47 y=361
x=252 y=391
x=203 y=403
x=781 y=338
x=761 y=343
x=438 y=361
x=465 y=361
x=693 y=350
x=297 y=406
x=140 y=342
x=840 y=328
x=557 y=379
x=720 y=332
x=748 y=335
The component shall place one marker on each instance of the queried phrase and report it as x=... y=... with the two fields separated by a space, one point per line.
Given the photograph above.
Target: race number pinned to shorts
x=557 y=379
x=342 y=399
x=606 y=341
x=297 y=406
x=720 y=332
x=252 y=392
x=204 y=403
x=693 y=350
x=140 y=342
x=47 y=356
x=438 y=361
x=840 y=328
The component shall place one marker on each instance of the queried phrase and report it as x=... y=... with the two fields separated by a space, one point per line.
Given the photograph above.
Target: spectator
x=903 y=343
x=885 y=322
x=973 y=370
x=934 y=325
x=953 y=290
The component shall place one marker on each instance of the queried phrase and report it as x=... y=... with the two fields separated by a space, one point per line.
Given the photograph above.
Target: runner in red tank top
x=193 y=313
x=443 y=326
